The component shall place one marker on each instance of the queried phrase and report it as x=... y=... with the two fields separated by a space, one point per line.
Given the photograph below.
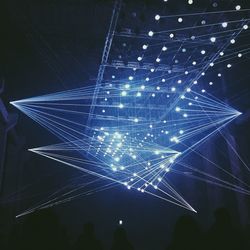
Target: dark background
x=47 y=46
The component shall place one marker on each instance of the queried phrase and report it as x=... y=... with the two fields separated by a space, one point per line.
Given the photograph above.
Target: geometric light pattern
x=150 y=107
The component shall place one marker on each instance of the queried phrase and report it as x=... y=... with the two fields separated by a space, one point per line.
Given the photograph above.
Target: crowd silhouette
x=43 y=230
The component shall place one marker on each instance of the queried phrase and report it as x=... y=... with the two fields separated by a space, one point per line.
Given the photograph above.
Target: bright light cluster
x=144 y=117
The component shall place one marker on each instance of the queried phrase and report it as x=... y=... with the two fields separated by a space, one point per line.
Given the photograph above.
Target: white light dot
x=171 y=35
x=203 y=90
x=158 y=88
x=136 y=120
x=179 y=81
x=195 y=82
x=192 y=37
x=144 y=46
x=237 y=7
x=188 y=90
x=186 y=72
x=203 y=52
x=232 y=41
x=245 y=27
x=194 y=62
x=152 y=70
x=177 y=109
x=131 y=78
x=121 y=106
x=239 y=55
x=219 y=74
x=142 y=86
x=190 y=1
x=173 y=89
x=229 y=65
x=211 y=64
x=163 y=80
x=150 y=33
x=124 y=93
x=210 y=83
x=158 y=59
x=221 y=53
x=157 y=17
x=224 y=24
x=213 y=39
x=120 y=222
x=147 y=79
x=164 y=48
x=180 y=20
x=139 y=58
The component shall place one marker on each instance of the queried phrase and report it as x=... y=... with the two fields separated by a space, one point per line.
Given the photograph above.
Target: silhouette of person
x=120 y=240
x=186 y=235
x=222 y=234
x=87 y=239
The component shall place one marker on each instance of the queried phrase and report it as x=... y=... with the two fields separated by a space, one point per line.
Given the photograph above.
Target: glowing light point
x=173 y=89
x=177 y=109
x=130 y=78
x=158 y=59
x=185 y=115
x=194 y=62
x=203 y=52
x=139 y=58
x=147 y=79
x=157 y=17
x=144 y=46
x=180 y=20
x=190 y=1
x=163 y=80
x=188 y=89
x=179 y=81
x=164 y=48
x=138 y=94
x=237 y=7
x=121 y=106
x=224 y=24
x=245 y=27
x=239 y=55
x=229 y=65
x=151 y=33
x=124 y=93
x=142 y=87
x=210 y=83
x=167 y=170
x=232 y=41
x=213 y=39
x=127 y=86
x=136 y=120
x=120 y=222
x=171 y=35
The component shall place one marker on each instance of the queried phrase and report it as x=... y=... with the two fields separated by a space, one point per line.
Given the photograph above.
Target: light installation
x=151 y=106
